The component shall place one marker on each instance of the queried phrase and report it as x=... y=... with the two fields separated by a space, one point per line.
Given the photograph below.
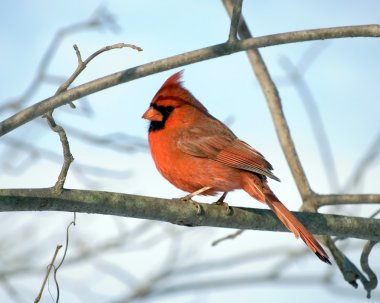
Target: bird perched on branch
x=199 y=154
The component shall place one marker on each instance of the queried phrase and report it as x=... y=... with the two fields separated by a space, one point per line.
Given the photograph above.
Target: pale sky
x=343 y=80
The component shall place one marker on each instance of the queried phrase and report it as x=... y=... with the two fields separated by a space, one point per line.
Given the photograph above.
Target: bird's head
x=171 y=99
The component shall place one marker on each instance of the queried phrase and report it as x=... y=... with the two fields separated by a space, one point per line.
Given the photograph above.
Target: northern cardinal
x=199 y=154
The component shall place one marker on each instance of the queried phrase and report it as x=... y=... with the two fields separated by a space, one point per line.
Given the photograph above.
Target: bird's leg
x=221 y=199
x=197 y=192
x=188 y=198
x=224 y=204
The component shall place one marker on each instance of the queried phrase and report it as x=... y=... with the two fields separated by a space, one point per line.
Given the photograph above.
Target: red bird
x=199 y=154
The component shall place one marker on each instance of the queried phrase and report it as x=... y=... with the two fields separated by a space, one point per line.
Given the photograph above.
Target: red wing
x=221 y=145
x=241 y=155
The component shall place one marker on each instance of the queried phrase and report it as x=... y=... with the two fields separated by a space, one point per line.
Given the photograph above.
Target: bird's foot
x=188 y=198
x=221 y=202
x=198 y=207
x=226 y=207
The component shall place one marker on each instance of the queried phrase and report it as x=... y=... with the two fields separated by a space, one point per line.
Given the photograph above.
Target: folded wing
x=220 y=144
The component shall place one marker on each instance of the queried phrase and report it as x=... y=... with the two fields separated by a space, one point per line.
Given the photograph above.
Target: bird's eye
x=169 y=109
x=164 y=110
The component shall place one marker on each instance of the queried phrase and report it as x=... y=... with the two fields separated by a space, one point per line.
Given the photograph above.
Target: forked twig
x=67 y=156
x=83 y=64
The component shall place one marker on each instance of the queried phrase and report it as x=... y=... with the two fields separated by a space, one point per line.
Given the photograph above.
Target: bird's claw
x=198 y=207
x=225 y=205
x=188 y=198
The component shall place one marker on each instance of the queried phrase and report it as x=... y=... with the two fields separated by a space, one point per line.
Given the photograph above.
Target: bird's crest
x=175 y=79
x=174 y=90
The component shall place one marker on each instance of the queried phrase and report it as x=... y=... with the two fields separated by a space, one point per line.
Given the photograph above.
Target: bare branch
x=34 y=153
x=349 y=271
x=67 y=156
x=82 y=64
x=115 y=141
x=63 y=257
x=51 y=265
x=323 y=200
x=372 y=279
x=228 y=237
x=316 y=121
x=172 y=211
x=223 y=282
x=235 y=18
x=199 y=55
x=371 y=154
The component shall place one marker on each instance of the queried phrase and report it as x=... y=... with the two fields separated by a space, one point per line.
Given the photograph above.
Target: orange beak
x=152 y=115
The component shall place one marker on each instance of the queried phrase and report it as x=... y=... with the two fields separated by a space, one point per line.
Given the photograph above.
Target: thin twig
x=36 y=153
x=38 y=298
x=228 y=237
x=375 y=214
x=366 y=161
x=67 y=156
x=83 y=64
x=316 y=121
x=235 y=18
x=64 y=256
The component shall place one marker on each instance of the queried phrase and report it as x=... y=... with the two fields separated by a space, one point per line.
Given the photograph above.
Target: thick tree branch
x=203 y=54
x=179 y=212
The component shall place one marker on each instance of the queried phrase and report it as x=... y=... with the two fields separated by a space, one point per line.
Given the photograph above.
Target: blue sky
x=344 y=81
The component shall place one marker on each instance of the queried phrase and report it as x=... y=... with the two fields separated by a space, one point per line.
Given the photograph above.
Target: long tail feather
x=258 y=189
x=292 y=223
